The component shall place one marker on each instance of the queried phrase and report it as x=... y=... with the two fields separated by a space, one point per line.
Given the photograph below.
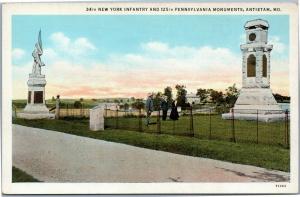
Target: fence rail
x=205 y=124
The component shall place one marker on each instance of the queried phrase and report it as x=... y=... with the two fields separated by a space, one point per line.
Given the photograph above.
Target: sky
x=123 y=56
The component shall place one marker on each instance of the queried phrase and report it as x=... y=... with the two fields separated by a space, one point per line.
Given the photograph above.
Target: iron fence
x=70 y=111
x=207 y=124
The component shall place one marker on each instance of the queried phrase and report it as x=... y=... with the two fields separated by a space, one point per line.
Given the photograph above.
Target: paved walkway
x=58 y=157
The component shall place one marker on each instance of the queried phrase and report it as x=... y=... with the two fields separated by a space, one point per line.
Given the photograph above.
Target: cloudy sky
x=124 y=56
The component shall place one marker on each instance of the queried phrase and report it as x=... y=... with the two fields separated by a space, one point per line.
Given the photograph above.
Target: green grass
x=21 y=176
x=245 y=131
x=267 y=156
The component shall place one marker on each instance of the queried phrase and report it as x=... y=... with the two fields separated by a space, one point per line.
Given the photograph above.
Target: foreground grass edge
x=271 y=157
x=20 y=176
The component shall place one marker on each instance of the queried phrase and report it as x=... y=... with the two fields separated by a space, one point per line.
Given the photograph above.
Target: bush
x=77 y=104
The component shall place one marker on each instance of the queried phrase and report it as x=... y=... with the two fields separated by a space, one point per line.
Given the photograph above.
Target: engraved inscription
x=38 y=97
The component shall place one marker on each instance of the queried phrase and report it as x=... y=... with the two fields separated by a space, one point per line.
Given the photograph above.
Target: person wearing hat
x=164 y=107
x=149 y=107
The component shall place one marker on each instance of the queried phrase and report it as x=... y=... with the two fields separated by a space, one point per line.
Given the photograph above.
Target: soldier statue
x=36 y=54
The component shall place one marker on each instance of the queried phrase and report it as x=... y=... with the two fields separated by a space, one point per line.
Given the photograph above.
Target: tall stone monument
x=36 y=107
x=256 y=99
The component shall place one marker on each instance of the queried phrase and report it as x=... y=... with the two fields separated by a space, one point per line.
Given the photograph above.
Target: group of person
x=164 y=106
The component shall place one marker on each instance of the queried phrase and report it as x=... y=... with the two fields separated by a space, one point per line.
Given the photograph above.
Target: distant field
x=87 y=103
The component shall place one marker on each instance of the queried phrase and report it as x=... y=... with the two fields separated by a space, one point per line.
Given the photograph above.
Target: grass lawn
x=21 y=176
x=267 y=156
x=245 y=131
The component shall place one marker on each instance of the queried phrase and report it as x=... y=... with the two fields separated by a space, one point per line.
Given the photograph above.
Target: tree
x=77 y=104
x=168 y=94
x=157 y=100
x=132 y=99
x=216 y=96
x=53 y=98
x=138 y=104
x=126 y=106
x=181 y=95
x=81 y=99
x=202 y=93
x=231 y=95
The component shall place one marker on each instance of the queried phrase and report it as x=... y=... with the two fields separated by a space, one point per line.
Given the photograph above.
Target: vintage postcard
x=148 y=98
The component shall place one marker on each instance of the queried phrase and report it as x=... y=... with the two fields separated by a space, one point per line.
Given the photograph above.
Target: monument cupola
x=257 y=31
x=256 y=55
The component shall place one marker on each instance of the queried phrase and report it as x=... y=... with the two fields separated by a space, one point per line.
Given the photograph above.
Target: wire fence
x=70 y=111
x=207 y=124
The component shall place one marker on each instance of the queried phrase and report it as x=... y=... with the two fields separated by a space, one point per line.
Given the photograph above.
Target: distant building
x=192 y=98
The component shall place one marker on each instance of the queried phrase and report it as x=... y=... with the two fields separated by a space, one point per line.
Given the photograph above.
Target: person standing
x=149 y=107
x=164 y=107
x=174 y=113
x=57 y=106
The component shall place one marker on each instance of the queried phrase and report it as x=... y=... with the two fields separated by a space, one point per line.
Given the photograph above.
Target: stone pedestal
x=256 y=103
x=97 y=118
x=36 y=107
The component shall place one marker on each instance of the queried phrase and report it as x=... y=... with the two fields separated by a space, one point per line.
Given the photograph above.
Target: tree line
x=224 y=99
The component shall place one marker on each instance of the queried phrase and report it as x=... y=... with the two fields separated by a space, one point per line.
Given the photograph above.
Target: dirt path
x=58 y=157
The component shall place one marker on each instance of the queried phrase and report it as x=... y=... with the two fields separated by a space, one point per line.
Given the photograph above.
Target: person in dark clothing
x=149 y=108
x=174 y=113
x=164 y=108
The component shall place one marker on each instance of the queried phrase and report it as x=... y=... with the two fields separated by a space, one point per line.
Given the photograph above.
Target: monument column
x=268 y=67
x=36 y=108
x=244 y=69
x=259 y=65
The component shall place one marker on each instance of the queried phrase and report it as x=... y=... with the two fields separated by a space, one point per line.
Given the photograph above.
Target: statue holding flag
x=36 y=54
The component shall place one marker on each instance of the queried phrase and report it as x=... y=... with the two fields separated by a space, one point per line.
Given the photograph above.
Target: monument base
x=32 y=116
x=36 y=111
x=254 y=117
x=256 y=103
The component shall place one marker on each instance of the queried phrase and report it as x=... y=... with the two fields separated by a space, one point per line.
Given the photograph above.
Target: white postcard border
x=138 y=188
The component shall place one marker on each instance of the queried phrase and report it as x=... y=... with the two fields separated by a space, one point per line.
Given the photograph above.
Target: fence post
x=117 y=118
x=286 y=129
x=191 y=122
x=140 y=120
x=209 y=123
x=67 y=110
x=233 y=129
x=158 y=122
x=257 y=127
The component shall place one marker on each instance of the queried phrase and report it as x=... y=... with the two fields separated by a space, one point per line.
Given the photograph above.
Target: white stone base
x=36 y=111
x=261 y=117
x=32 y=116
x=252 y=99
x=36 y=108
x=253 y=102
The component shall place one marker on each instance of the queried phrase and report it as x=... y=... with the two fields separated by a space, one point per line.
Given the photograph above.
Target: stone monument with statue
x=36 y=106
x=256 y=99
